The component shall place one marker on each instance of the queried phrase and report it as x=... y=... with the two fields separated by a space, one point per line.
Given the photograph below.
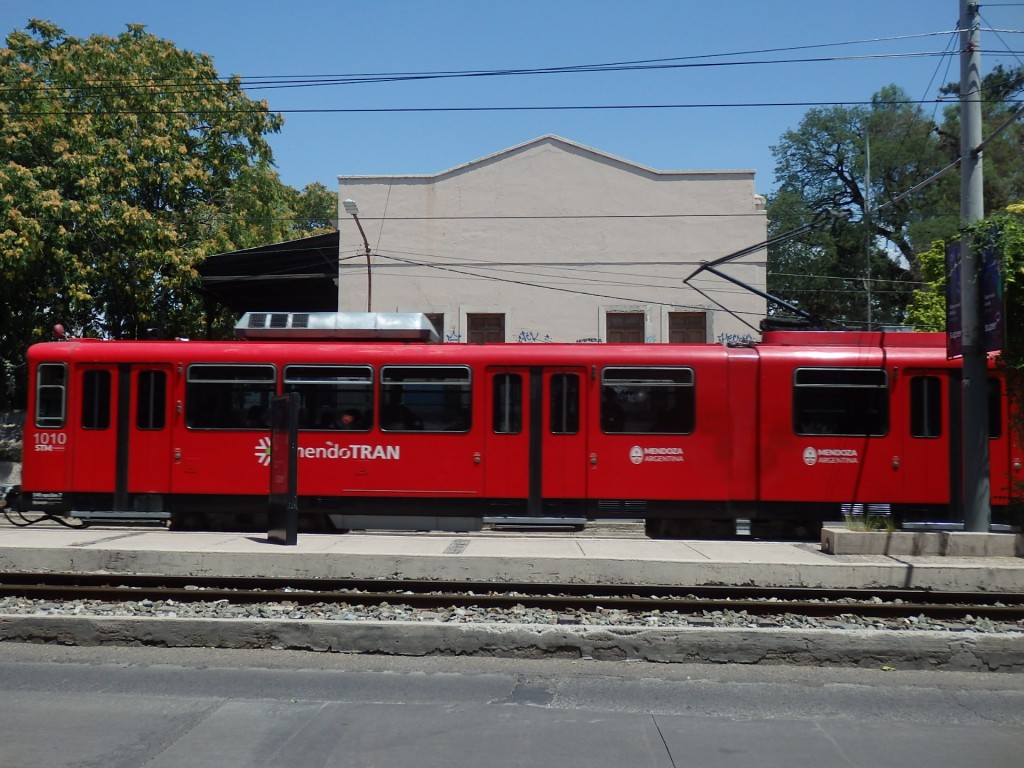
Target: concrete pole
x=867 y=216
x=974 y=387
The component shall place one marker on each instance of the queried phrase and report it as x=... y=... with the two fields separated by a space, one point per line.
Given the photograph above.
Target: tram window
x=425 y=399
x=96 y=399
x=229 y=396
x=51 y=389
x=565 y=404
x=151 y=400
x=995 y=409
x=332 y=397
x=508 y=403
x=841 y=401
x=926 y=406
x=648 y=401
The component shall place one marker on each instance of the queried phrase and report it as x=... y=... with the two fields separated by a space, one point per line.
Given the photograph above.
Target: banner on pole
x=954 y=319
x=992 y=313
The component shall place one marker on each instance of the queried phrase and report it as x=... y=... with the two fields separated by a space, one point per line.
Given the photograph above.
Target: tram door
x=536 y=440
x=564 y=474
x=149 y=455
x=1002 y=476
x=927 y=429
x=122 y=442
x=929 y=461
x=506 y=460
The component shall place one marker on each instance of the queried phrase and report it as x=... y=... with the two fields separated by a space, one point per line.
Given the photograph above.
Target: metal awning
x=294 y=276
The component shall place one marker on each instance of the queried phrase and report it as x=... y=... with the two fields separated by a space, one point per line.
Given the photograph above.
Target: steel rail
x=499 y=595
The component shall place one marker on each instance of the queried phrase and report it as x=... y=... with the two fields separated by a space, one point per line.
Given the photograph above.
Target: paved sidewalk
x=493 y=556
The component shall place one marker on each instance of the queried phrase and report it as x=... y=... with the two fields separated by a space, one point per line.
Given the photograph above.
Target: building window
x=687 y=327
x=485 y=328
x=841 y=401
x=625 y=327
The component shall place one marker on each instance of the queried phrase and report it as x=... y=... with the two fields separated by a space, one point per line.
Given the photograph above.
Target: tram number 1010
x=50 y=441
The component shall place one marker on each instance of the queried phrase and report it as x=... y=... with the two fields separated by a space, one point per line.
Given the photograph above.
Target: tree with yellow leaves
x=124 y=162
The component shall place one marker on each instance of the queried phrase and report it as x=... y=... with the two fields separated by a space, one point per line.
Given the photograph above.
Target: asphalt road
x=125 y=707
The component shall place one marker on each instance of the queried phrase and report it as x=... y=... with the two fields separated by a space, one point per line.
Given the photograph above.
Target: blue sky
x=308 y=38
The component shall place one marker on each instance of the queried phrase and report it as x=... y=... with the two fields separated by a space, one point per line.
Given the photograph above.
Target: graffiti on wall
x=735 y=338
x=533 y=337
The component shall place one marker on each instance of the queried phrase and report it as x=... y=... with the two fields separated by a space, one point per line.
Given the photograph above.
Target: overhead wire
x=299 y=80
x=674 y=63
x=530 y=284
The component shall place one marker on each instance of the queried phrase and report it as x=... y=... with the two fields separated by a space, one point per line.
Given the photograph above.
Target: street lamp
x=353 y=210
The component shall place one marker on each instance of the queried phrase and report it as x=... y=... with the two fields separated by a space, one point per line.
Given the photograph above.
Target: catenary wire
x=300 y=80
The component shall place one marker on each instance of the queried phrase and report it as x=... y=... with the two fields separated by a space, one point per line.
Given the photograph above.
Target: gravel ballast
x=712 y=636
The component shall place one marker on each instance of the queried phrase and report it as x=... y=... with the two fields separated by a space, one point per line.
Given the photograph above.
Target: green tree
x=1003 y=231
x=125 y=161
x=315 y=210
x=824 y=271
x=822 y=165
x=1003 y=169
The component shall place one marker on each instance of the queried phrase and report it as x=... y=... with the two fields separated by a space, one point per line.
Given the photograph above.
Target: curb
x=959 y=651
x=1000 y=575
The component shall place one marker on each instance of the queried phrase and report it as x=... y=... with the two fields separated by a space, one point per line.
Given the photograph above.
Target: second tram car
x=395 y=431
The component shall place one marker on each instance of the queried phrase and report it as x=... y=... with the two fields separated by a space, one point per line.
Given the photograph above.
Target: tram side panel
x=98 y=433
x=368 y=436
x=410 y=444
x=1006 y=454
x=925 y=416
x=48 y=443
x=924 y=393
x=657 y=433
x=676 y=443
x=826 y=436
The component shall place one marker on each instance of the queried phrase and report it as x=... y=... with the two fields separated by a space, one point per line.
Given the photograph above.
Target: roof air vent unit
x=337 y=326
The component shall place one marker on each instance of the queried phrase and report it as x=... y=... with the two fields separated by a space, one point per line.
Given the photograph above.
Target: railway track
x=424 y=595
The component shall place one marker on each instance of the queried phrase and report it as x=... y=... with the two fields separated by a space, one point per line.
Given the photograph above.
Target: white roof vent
x=337 y=326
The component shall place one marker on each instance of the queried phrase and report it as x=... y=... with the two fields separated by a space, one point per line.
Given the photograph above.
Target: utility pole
x=867 y=215
x=974 y=384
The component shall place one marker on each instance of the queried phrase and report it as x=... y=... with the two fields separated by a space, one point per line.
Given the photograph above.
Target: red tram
x=397 y=432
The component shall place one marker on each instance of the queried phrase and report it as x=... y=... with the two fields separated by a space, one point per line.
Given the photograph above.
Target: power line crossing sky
x=417 y=86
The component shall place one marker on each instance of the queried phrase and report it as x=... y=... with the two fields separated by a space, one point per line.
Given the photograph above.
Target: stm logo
x=262 y=451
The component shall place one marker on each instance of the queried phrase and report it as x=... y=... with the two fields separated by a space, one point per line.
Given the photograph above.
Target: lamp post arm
x=369 y=271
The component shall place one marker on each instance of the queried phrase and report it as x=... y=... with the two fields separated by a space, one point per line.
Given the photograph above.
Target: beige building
x=554 y=241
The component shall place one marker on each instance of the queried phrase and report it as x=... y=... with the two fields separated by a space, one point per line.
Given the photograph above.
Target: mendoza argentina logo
x=814 y=456
x=639 y=454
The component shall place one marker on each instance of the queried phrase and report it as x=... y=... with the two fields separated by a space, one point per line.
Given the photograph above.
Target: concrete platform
x=491 y=556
